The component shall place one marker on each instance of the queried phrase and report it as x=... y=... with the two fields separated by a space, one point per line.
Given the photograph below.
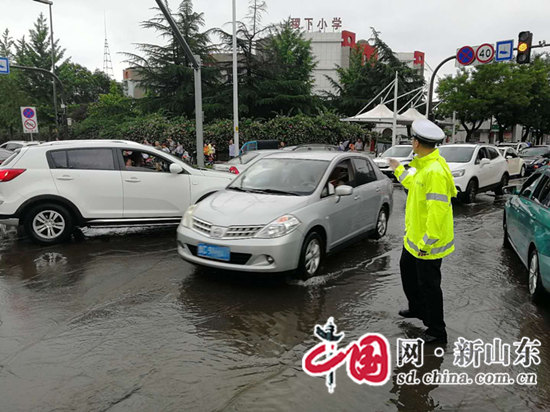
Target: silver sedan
x=286 y=212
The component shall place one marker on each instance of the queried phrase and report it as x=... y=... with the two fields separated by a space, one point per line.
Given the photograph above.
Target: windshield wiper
x=237 y=189
x=276 y=192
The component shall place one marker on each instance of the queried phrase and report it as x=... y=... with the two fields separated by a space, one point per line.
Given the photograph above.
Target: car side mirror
x=175 y=169
x=484 y=162
x=511 y=190
x=343 y=190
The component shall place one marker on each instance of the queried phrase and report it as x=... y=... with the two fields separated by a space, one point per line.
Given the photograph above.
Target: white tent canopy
x=380 y=114
x=410 y=116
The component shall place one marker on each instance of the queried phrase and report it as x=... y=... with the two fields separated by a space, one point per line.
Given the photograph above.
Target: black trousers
x=422 y=285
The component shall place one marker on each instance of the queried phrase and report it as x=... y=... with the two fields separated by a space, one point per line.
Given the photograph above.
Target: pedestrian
x=232 y=149
x=359 y=144
x=281 y=144
x=179 y=150
x=429 y=228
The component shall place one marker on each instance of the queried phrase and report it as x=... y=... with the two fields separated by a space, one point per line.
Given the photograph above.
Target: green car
x=527 y=228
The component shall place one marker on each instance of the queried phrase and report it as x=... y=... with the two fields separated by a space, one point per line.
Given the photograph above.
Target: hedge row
x=324 y=128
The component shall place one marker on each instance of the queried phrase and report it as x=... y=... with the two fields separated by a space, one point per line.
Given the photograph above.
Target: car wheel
x=381 y=224
x=469 y=196
x=535 y=283
x=522 y=172
x=503 y=183
x=311 y=255
x=506 y=239
x=48 y=224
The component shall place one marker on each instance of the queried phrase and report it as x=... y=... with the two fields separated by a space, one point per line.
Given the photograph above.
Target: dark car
x=535 y=157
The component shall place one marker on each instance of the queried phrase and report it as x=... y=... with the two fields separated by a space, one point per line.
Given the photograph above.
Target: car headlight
x=187 y=220
x=459 y=173
x=279 y=227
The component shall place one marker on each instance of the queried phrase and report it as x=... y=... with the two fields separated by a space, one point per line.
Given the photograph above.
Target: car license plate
x=214 y=252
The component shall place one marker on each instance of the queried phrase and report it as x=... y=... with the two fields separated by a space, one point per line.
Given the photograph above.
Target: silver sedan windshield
x=293 y=177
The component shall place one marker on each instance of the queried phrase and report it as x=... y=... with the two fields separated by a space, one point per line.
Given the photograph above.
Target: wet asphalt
x=117 y=321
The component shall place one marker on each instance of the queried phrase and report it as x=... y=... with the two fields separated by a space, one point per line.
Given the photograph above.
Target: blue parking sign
x=504 y=51
x=4 y=65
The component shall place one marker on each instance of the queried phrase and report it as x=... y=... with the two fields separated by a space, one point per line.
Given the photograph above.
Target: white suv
x=476 y=168
x=54 y=187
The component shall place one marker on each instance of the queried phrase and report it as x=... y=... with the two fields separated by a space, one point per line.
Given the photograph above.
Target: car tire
x=469 y=196
x=522 y=172
x=506 y=238
x=499 y=191
x=48 y=224
x=381 y=224
x=535 y=283
x=311 y=255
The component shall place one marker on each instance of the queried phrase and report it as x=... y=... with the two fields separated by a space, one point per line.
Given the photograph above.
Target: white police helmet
x=423 y=129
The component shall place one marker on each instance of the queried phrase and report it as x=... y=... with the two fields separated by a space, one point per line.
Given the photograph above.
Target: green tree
x=363 y=80
x=36 y=52
x=165 y=69
x=461 y=95
x=536 y=116
x=81 y=85
x=7 y=45
x=285 y=79
x=507 y=90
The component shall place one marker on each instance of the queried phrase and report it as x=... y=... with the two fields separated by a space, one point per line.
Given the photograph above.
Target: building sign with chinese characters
x=311 y=24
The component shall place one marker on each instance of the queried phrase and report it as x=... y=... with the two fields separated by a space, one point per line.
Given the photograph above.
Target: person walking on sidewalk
x=429 y=235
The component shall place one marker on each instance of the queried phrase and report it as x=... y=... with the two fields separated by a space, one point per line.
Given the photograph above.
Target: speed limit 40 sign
x=485 y=53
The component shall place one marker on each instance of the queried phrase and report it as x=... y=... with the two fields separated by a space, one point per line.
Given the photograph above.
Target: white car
x=54 y=187
x=516 y=165
x=17 y=144
x=242 y=162
x=403 y=153
x=476 y=168
x=518 y=146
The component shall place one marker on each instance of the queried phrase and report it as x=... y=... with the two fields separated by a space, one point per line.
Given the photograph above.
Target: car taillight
x=9 y=174
x=234 y=170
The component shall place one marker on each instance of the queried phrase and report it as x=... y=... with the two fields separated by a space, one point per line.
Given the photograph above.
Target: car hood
x=384 y=160
x=229 y=208
x=532 y=159
x=456 y=166
x=216 y=173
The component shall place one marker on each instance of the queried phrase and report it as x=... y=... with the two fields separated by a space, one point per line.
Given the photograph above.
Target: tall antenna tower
x=107 y=63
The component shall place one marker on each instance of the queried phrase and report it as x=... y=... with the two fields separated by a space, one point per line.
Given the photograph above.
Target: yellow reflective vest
x=429 y=212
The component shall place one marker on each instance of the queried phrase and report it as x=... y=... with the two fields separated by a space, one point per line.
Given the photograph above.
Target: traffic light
x=524 y=47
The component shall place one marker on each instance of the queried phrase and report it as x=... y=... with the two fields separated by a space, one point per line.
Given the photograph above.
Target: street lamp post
x=50 y=3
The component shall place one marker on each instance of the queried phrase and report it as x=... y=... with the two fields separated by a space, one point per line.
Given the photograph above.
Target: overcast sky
x=436 y=27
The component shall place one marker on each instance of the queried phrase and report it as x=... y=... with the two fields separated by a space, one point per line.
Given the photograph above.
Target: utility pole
x=235 y=83
x=50 y=3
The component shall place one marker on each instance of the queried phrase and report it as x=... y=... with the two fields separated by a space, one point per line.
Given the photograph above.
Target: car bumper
x=461 y=183
x=247 y=255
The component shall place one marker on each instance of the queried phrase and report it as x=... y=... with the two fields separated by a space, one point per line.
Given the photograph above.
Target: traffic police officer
x=429 y=228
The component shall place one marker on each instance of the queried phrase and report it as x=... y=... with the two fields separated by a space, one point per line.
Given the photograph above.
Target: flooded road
x=118 y=321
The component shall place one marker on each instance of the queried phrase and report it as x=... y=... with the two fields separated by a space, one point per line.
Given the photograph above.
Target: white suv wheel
x=49 y=224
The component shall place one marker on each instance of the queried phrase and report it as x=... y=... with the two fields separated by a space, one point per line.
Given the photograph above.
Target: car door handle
x=357 y=198
x=65 y=177
x=132 y=180
x=378 y=189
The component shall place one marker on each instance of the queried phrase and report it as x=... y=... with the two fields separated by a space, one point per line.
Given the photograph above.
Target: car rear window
x=10 y=159
x=82 y=159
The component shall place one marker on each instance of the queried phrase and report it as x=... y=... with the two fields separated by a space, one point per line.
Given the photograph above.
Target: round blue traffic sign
x=465 y=55
x=28 y=113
